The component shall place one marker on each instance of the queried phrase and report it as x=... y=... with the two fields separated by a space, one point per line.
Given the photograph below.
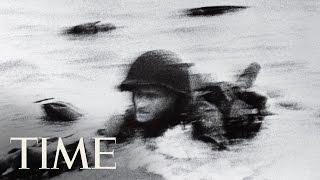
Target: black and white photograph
x=159 y=89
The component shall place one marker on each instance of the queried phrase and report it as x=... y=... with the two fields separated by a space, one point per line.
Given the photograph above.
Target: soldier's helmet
x=159 y=68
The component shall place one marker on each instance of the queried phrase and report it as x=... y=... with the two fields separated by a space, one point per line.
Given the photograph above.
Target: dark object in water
x=60 y=111
x=291 y=105
x=244 y=120
x=243 y=110
x=213 y=10
x=90 y=28
x=222 y=94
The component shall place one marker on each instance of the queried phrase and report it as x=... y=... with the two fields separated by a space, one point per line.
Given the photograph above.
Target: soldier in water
x=162 y=98
x=161 y=95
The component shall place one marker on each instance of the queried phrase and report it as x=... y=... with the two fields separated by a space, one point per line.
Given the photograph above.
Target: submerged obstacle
x=90 y=28
x=59 y=110
x=213 y=10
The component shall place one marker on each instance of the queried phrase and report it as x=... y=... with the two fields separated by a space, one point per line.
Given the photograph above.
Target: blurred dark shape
x=244 y=120
x=213 y=10
x=60 y=111
x=208 y=124
x=90 y=28
x=248 y=76
x=291 y=105
x=158 y=68
x=242 y=110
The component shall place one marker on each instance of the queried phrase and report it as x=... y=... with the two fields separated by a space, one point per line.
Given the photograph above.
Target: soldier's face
x=151 y=102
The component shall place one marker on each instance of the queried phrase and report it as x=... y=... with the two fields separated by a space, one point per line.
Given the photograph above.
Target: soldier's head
x=159 y=83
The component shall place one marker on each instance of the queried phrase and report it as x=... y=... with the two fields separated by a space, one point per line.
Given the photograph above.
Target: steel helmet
x=159 y=68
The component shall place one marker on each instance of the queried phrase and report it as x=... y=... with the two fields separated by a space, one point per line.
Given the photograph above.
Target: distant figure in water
x=213 y=10
x=90 y=28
